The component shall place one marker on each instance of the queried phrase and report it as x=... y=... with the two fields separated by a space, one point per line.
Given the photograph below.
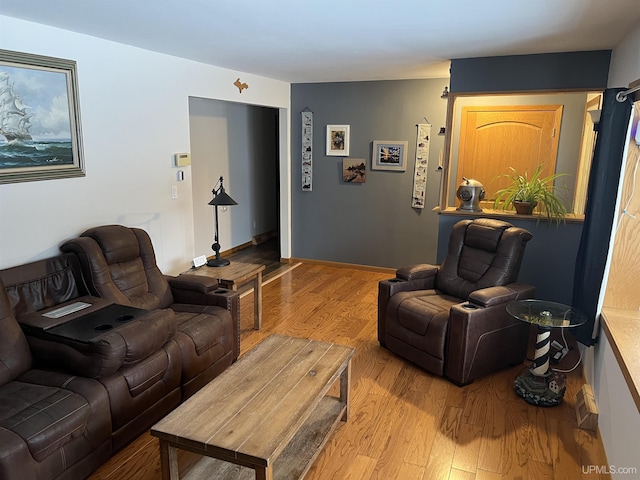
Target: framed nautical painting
x=40 y=135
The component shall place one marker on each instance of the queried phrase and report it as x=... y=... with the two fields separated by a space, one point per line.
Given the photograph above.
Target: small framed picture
x=338 y=140
x=389 y=155
x=354 y=170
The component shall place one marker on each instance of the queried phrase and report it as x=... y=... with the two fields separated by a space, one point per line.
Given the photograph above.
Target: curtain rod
x=622 y=96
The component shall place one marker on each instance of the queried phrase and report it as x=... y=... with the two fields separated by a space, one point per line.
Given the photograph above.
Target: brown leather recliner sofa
x=119 y=264
x=451 y=319
x=52 y=424
x=70 y=398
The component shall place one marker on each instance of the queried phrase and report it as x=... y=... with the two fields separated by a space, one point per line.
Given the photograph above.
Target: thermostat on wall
x=182 y=159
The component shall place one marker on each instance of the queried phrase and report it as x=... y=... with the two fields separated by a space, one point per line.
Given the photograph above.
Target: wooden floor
x=405 y=423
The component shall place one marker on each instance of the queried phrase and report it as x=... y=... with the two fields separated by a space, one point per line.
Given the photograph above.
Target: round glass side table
x=539 y=385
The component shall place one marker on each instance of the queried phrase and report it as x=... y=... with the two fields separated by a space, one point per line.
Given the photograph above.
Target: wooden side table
x=234 y=276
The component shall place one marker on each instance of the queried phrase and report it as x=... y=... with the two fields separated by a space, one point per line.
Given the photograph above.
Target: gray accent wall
x=373 y=223
x=369 y=223
x=521 y=73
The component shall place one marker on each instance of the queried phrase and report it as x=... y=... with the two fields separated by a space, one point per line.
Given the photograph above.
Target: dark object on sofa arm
x=451 y=319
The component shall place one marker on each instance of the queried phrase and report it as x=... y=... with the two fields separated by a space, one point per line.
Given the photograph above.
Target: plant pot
x=524 y=208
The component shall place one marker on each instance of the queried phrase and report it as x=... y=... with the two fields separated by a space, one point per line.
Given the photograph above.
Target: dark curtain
x=600 y=209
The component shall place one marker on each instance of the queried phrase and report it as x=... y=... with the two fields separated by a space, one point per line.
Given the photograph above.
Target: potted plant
x=526 y=193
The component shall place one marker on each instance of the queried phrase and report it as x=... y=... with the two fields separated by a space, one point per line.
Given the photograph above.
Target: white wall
x=135 y=115
x=619 y=419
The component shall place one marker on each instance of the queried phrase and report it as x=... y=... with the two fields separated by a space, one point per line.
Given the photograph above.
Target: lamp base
x=218 y=262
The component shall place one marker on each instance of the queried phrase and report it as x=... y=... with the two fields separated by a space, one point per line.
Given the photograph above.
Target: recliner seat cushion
x=46 y=418
x=203 y=325
x=420 y=319
x=147 y=372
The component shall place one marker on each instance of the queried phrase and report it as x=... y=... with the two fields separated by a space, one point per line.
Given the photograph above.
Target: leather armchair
x=119 y=264
x=451 y=319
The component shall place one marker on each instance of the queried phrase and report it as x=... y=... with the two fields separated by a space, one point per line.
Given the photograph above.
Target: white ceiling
x=341 y=40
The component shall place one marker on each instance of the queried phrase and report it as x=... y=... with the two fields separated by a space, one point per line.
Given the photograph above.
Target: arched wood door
x=495 y=138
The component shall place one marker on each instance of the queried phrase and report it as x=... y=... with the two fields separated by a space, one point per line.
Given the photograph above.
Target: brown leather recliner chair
x=119 y=264
x=451 y=319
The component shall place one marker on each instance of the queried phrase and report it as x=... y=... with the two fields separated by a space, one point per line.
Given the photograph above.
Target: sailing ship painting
x=34 y=119
x=15 y=121
x=39 y=120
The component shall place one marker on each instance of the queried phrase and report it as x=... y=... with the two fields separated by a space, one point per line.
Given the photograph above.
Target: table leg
x=168 y=461
x=257 y=302
x=345 y=384
x=229 y=284
x=265 y=473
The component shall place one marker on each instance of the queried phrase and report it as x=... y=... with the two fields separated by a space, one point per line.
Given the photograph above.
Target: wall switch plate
x=199 y=261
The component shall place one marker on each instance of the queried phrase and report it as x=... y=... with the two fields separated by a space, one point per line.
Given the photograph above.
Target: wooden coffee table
x=268 y=413
x=234 y=276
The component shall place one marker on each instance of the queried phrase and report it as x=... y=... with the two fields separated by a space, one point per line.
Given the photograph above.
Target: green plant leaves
x=536 y=189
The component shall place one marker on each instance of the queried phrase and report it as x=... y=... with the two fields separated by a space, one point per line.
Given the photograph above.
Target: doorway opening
x=239 y=142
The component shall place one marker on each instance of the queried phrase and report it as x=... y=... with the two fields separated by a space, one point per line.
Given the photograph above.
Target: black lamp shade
x=222 y=198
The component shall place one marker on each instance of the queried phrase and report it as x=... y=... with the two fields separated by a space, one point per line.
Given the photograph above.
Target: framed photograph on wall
x=389 y=155
x=40 y=134
x=338 y=140
x=354 y=170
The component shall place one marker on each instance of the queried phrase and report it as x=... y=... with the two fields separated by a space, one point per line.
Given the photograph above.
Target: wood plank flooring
x=405 y=423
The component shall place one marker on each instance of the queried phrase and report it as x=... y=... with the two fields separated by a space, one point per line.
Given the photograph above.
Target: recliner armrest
x=220 y=297
x=409 y=278
x=420 y=271
x=491 y=296
x=483 y=336
x=194 y=283
x=195 y=292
